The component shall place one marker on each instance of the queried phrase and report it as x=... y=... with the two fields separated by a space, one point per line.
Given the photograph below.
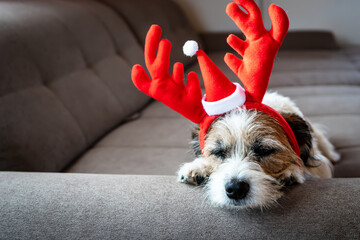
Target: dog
x=247 y=159
x=248 y=145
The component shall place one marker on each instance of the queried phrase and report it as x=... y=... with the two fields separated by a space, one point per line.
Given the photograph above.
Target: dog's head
x=253 y=158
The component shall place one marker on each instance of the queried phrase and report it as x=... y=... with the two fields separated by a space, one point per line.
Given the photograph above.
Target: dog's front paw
x=196 y=172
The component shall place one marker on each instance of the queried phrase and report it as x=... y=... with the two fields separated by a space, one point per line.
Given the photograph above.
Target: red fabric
x=204 y=126
x=217 y=85
x=258 y=52
x=166 y=88
x=259 y=48
x=254 y=70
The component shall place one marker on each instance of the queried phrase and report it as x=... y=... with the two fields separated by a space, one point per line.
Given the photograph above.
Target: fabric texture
x=166 y=88
x=258 y=54
x=89 y=206
x=63 y=84
x=260 y=47
x=226 y=104
x=217 y=85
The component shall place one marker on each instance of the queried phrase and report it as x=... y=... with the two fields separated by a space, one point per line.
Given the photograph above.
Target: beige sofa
x=67 y=105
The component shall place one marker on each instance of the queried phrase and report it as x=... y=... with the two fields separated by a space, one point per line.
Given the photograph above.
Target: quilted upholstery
x=141 y=14
x=67 y=103
x=64 y=70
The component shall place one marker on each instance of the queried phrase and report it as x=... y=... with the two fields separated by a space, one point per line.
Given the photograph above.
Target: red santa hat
x=221 y=94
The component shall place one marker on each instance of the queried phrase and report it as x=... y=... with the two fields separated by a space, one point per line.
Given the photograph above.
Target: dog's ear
x=302 y=131
x=195 y=144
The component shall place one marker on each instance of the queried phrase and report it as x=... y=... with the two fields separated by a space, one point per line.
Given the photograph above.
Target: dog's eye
x=262 y=151
x=219 y=152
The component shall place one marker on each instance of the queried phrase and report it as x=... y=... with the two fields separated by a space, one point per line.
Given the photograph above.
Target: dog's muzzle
x=236 y=189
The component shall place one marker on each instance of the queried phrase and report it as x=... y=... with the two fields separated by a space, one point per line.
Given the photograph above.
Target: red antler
x=258 y=52
x=166 y=88
x=259 y=48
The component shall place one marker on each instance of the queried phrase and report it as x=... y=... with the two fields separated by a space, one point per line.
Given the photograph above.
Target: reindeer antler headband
x=258 y=52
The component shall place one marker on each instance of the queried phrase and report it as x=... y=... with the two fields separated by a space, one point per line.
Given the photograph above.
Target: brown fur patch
x=276 y=164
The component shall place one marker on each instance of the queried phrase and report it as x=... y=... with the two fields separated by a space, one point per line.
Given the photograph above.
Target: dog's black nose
x=236 y=189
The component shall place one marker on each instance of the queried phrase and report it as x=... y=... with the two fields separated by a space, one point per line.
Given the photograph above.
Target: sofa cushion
x=132 y=160
x=65 y=80
x=324 y=100
x=353 y=53
x=299 y=68
x=103 y=206
x=153 y=144
x=37 y=133
x=141 y=14
x=349 y=165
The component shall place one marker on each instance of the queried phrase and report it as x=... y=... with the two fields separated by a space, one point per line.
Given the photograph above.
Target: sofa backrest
x=64 y=80
x=141 y=14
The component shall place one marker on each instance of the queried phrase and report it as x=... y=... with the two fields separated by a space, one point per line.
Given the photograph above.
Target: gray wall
x=340 y=16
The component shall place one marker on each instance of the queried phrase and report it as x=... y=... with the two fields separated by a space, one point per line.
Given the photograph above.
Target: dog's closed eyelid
x=219 y=152
x=261 y=150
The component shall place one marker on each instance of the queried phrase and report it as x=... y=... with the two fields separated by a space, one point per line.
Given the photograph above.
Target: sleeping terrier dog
x=244 y=156
x=247 y=159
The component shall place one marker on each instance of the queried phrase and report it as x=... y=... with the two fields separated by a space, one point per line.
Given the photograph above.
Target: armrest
x=89 y=206
x=217 y=41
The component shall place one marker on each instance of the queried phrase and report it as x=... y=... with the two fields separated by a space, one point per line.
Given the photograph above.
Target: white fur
x=190 y=48
x=236 y=99
x=262 y=192
x=238 y=127
x=199 y=167
x=281 y=103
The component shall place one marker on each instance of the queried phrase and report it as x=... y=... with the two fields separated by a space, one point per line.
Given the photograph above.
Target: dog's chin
x=219 y=198
x=264 y=191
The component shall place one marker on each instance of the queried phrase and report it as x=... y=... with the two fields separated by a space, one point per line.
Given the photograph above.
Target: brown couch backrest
x=64 y=80
x=141 y=14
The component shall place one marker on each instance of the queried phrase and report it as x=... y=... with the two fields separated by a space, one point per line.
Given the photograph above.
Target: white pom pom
x=190 y=48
